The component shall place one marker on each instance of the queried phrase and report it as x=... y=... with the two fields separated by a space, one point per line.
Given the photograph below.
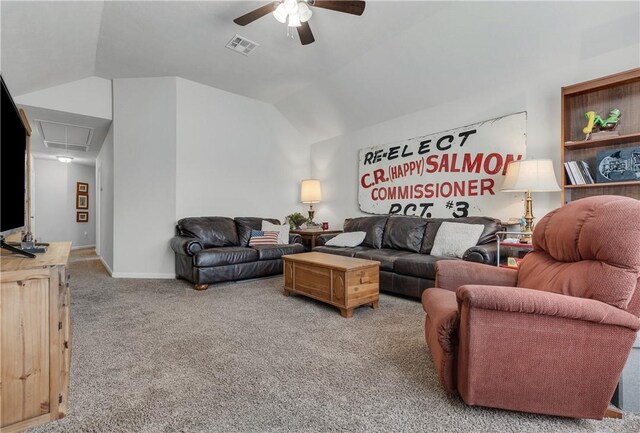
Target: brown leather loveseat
x=215 y=249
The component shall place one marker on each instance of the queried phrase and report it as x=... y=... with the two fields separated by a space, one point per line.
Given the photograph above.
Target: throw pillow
x=259 y=237
x=453 y=239
x=283 y=231
x=351 y=239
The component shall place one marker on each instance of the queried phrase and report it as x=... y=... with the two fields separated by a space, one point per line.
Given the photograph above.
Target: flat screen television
x=13 y=155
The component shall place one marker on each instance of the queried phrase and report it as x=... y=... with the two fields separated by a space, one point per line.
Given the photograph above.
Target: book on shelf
x=572 y=180
x=587 y=172
x=578 y=172
x=572 y=167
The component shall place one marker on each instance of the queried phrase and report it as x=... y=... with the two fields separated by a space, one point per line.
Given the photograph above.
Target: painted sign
x=453 y=173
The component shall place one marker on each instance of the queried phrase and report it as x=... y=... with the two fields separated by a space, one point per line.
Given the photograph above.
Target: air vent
x=242 y=45
x=55 y=134
x=63 y=146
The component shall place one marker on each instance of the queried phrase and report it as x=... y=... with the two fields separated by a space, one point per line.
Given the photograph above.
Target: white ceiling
x=397 y=58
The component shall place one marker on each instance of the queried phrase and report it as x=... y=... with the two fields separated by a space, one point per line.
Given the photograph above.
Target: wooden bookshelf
x=604 y=184
x=602 y=142
x=620 y=91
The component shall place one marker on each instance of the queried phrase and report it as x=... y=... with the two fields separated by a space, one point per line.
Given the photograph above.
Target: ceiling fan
x=296 y=13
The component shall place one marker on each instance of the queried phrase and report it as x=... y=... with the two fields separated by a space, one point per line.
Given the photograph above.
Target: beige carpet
x=157 y=356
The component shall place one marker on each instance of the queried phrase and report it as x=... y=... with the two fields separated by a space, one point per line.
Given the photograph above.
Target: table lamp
x=310 y=193
x=530 y=175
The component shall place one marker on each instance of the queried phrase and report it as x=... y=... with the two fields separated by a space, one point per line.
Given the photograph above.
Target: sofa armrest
x=322 y=239
x=451 y=274
x=295 y=238
x=482 y=254
x=187 y=246
x=537 y=302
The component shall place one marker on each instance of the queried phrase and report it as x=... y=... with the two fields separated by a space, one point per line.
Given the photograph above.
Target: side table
x=309 y=237
x=501 y=244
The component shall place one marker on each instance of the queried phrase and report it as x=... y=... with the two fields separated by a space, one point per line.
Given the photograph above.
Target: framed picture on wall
x=82 y=217
x=82 y=188
x=82 y=201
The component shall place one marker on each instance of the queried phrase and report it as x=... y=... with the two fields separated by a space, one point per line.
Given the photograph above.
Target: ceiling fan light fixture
x=291 y=6
x=294 y=20
x=304 y=12
x=280 y=13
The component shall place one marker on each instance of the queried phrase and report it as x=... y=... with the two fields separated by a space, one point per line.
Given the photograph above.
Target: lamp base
x=528 y=218
x=311 y=212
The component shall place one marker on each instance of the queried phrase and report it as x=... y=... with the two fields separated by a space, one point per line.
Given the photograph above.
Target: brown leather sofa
x=214 y=249
x=403 y=246
x=551 y=337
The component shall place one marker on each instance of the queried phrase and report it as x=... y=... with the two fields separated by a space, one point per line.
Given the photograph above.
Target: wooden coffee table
x=344 y=282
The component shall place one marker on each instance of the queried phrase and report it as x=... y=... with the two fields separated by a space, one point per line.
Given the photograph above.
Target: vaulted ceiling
x=397 y=58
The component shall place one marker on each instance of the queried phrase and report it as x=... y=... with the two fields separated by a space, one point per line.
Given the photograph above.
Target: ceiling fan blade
x=306 y=36
x=349 y=7
x=255 y=14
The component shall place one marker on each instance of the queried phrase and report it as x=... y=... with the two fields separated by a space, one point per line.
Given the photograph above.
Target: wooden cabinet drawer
x=362 y=285
x=25 y=346
x=312 y=280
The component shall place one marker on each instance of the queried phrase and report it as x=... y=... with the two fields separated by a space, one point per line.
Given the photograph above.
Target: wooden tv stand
x=35 y=348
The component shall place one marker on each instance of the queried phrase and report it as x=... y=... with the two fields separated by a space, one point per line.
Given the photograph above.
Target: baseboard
x=82 y=247
x=135 y=274
x=143 y=275
x=106 y=266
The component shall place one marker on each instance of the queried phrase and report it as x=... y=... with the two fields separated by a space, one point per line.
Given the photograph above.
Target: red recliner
x=553 y=336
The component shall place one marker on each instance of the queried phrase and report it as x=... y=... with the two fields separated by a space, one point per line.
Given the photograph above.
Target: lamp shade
x=530 y=175
x=310 y=191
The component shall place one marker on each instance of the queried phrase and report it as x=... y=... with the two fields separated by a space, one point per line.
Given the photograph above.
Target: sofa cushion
x=270 y=252
x=224 y=256
x=404 y=233
x=385 y=256
x=211 y=231
x=491 y=227
x=349 y=239
x=418 y=265
x=372 y=225
x=341 y=251
x=258 y=237
x=454 y=239
x=246 y=224
x=283 y=231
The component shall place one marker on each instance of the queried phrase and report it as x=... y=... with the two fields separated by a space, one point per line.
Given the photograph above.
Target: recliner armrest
x=537 y=302
x=187 y=246
x=322 y=239
x=482 y=254
x=442 y=308
x=295 y=238
x=451 y=274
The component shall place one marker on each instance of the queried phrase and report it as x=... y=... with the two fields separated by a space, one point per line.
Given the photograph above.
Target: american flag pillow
x=259 y=237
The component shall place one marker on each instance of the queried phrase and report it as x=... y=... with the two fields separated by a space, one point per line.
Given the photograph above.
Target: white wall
x=144 y=176
x=335 y=161
x=55 y=202
x=89 y=97
x=184 y=149
x=235 y=156
x=104 y=180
